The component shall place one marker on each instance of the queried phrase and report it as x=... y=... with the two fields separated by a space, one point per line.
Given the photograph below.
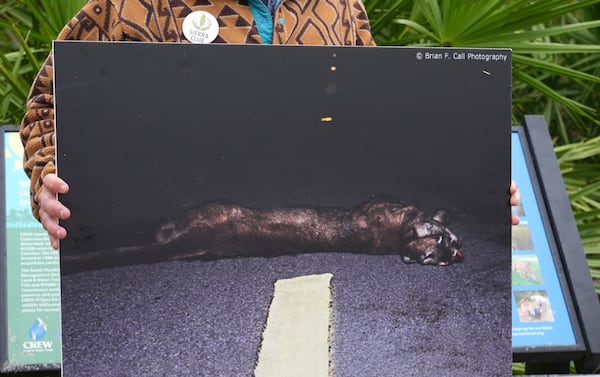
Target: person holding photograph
x=297 y=22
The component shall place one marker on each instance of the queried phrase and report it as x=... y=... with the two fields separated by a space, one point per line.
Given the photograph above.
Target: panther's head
x=433 y=243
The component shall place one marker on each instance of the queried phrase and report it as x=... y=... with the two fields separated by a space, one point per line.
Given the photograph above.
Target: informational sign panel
x=540 y=315
x=555 y=306
x=32 y=281
x=204 y=176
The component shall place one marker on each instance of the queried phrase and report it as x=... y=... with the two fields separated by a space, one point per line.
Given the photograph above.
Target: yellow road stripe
x=296 y=337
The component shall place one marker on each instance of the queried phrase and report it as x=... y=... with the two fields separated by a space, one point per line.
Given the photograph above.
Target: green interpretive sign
x=32 y=280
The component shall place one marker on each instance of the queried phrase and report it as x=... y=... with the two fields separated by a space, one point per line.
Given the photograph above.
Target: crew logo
x=38 y=330
x=36 y=333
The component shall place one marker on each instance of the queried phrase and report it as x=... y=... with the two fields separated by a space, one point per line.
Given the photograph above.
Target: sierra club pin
x=200 y=27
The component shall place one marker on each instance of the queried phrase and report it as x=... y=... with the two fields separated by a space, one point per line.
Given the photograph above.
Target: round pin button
x=200 y=27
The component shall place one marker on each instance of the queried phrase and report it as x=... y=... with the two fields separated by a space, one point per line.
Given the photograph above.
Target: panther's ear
x=442 y=217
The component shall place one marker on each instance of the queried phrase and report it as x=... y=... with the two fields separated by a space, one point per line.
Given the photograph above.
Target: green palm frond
x=579 y=163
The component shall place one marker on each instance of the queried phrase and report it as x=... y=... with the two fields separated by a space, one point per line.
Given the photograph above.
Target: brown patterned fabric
x=310 y=22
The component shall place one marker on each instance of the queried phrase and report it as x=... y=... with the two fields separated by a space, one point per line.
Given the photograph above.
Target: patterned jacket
x=313 y=22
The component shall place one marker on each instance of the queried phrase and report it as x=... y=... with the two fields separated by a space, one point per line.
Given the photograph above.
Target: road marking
x=296 y=337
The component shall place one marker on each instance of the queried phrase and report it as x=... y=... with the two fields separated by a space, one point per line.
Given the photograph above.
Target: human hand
x=52 y=210
x=515 y=198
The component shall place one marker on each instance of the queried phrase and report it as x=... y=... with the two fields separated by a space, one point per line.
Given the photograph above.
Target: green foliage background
x=556 y=69
x=27 y=28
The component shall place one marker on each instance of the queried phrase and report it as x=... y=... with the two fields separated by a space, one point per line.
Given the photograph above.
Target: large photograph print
x=229 y=202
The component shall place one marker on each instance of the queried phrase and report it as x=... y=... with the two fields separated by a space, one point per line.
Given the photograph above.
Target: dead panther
x=218 y=230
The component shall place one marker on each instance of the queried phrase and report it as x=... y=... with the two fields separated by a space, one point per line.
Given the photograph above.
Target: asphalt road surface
x=205 y=318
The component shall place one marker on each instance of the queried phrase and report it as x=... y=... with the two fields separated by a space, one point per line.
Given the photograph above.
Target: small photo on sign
x=521 y=237
x=534 y=306
x=526 y=270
